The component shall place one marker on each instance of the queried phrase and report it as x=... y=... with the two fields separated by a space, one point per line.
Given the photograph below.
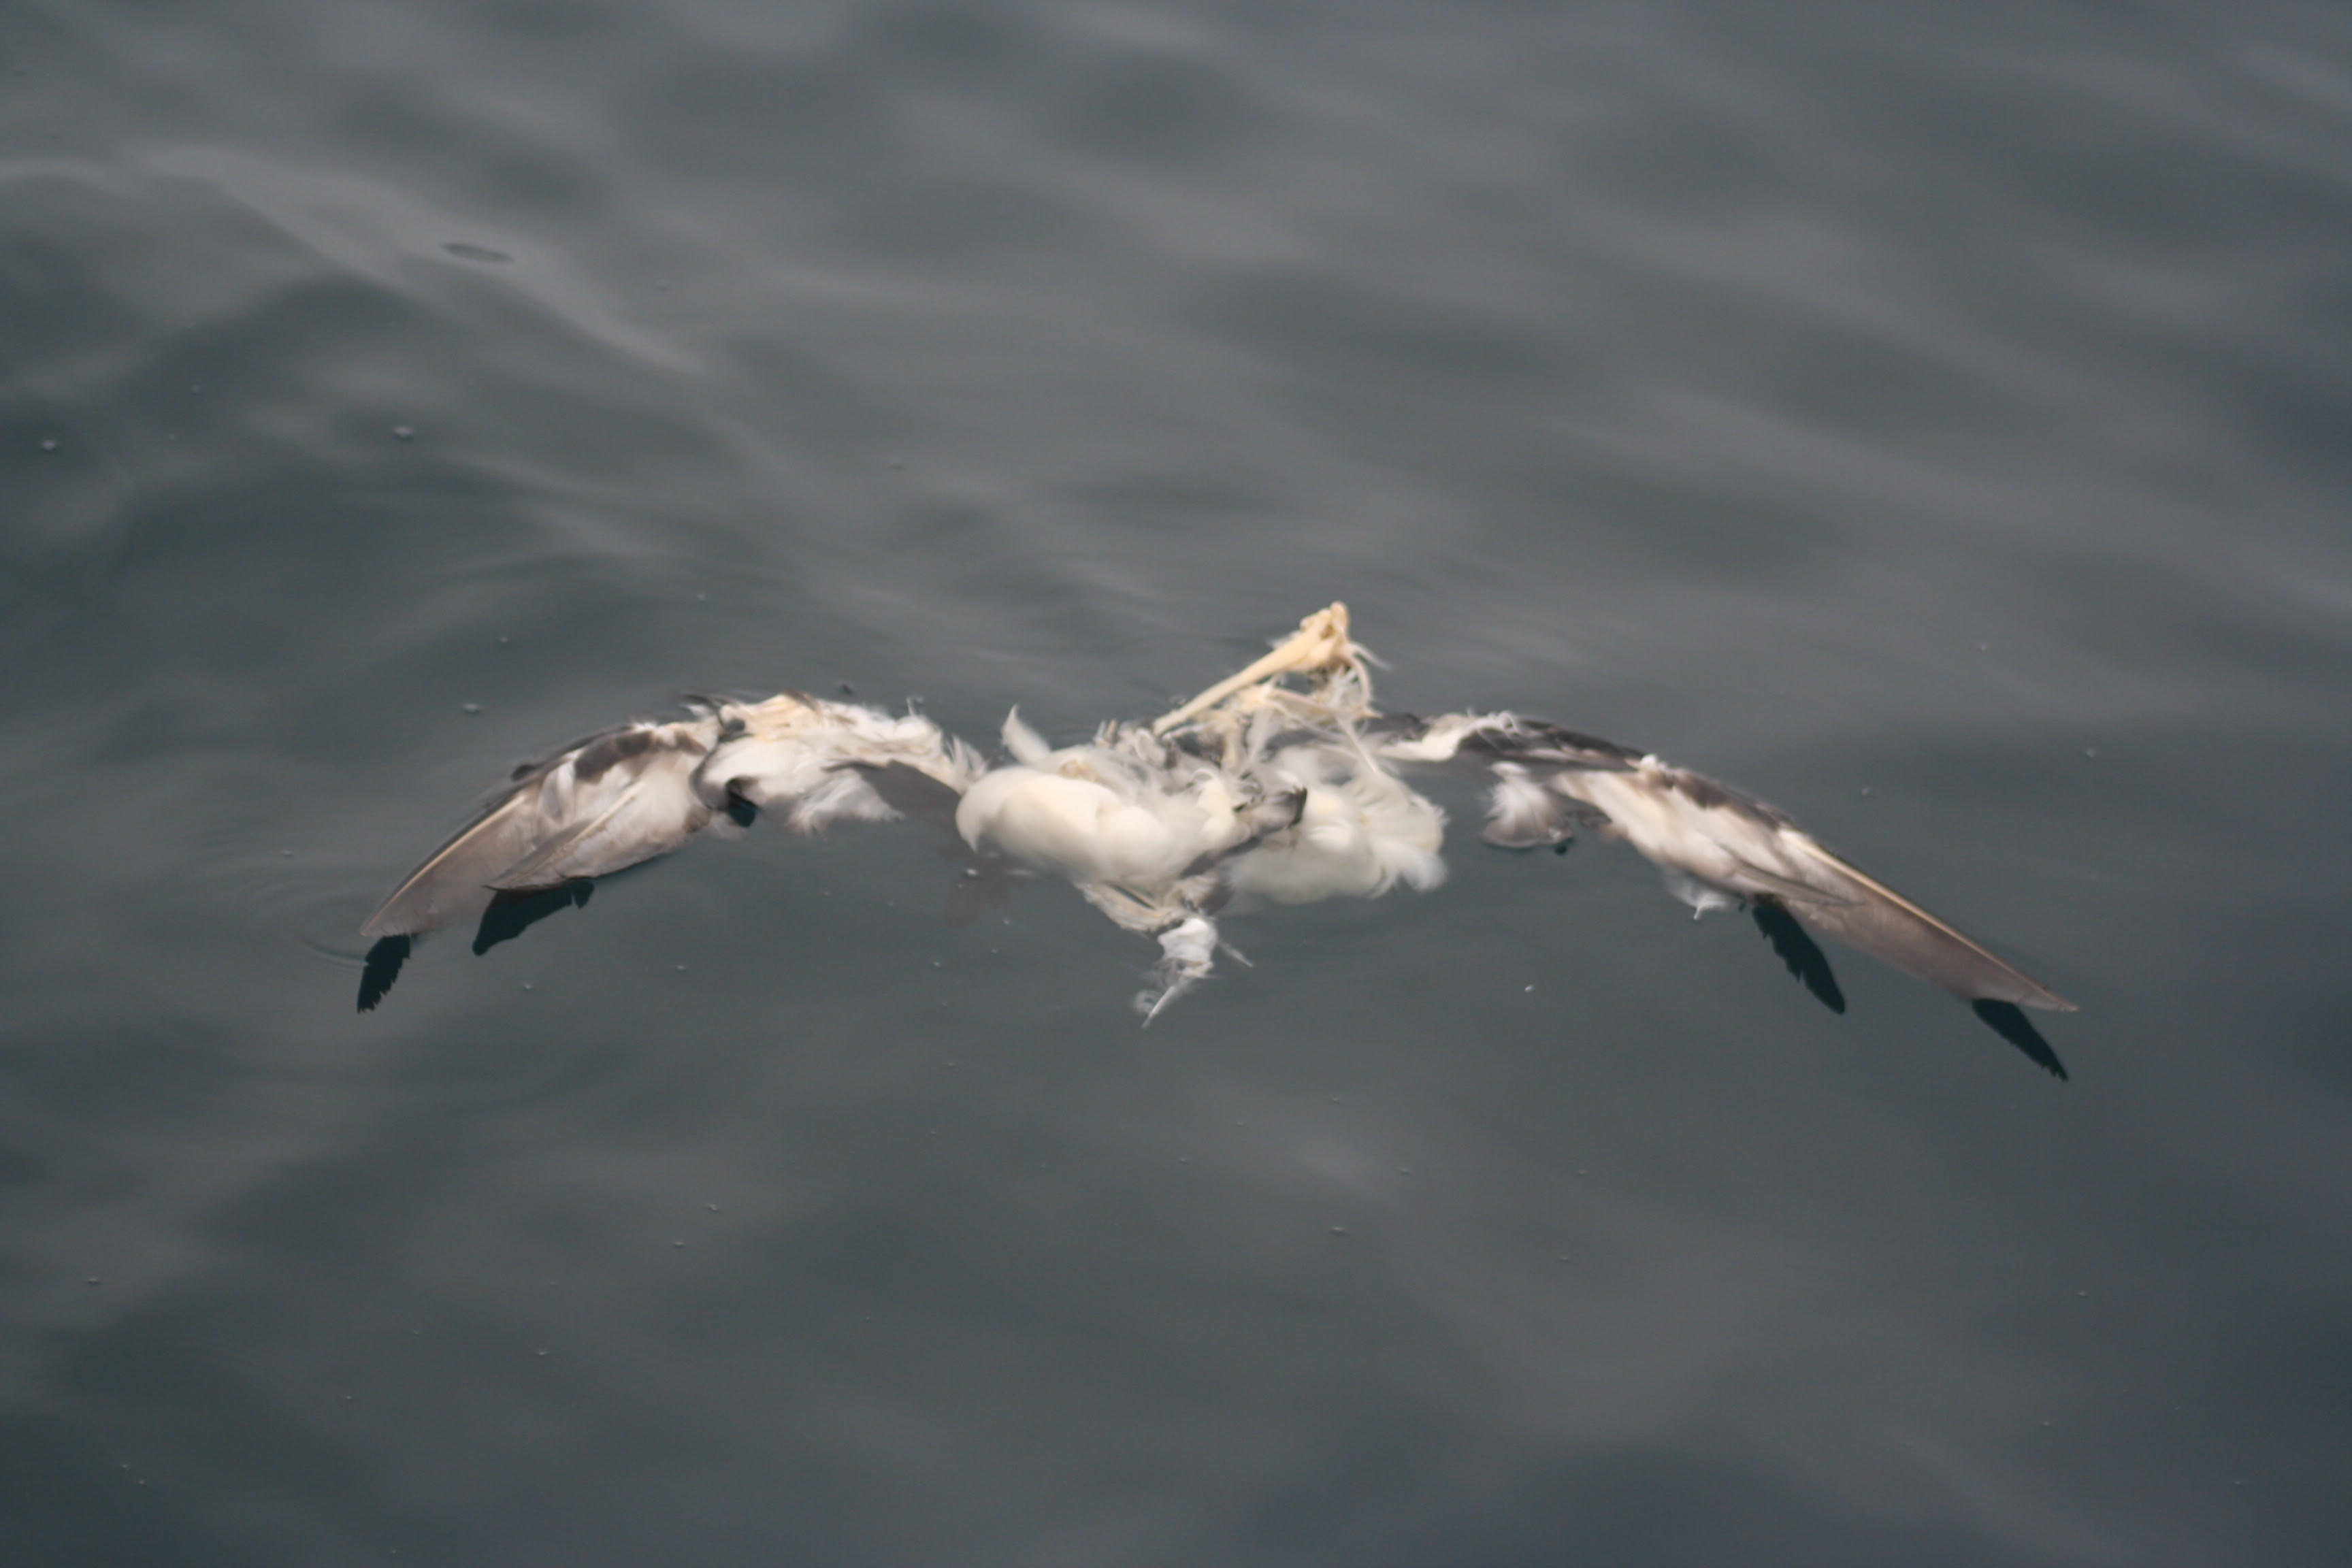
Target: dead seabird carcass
x=1282 y=783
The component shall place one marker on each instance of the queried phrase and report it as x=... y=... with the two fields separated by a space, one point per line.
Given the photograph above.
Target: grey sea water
x=1933 y=419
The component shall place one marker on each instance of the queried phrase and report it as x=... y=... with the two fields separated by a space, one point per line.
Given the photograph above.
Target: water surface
x=1934 y=424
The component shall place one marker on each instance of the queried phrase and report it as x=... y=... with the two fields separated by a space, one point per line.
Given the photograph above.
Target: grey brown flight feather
x=453 y=883
x=1882 y=923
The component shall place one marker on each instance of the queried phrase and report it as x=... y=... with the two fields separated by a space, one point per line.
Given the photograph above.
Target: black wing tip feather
x=2009 y=1022
x=1798 y=951
x=382 y=968
x=511 y=914
x=1810 y=965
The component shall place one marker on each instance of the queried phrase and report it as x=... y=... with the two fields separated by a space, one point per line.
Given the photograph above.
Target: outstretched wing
x=606 y=803
x=629 y=795
x=1717 y=845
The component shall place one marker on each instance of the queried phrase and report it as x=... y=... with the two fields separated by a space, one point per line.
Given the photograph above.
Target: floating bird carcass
x=1282 y=783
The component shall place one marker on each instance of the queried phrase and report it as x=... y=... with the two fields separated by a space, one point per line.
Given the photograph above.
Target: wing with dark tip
x=1717 y=845
x=629 y=795
x=616 y=799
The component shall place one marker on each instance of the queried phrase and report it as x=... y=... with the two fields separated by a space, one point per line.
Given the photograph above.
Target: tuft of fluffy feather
x=1359 y=831
x=802 y=757
x=1188 y=951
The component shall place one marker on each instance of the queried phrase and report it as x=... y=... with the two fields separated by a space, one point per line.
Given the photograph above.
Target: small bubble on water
x=404 y=433
x=49 y=444
x=469 y=708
